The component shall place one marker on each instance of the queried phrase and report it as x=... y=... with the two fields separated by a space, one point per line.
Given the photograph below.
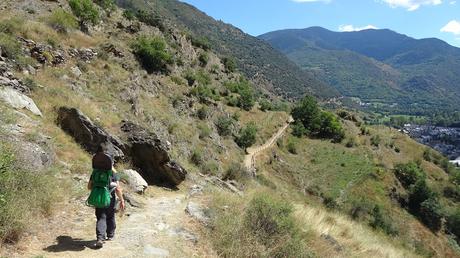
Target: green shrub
x=203 y=112
x=236 y=171
x=298 y=129
x=453 y=223
x=455 y=177
x=246 y=100
x=379 y=221
x=11 y=26
x=265 y=105
x=247 y=136
x=271 y=221
x=107 y=5
x=11 y=48
x=375 y=140
x=62 y=21
x=229 y=64
x=224 y=125
x=191 y=77
x=129 y=14
x=418 y=193
x=24 y=196
x=85 y=10
x=205 y=131
x=210 y=168
x=408 y=174
x=197 y=157
x=204 y=59
x=151 y=19
x=431 y=213
x=203 y=78
x=152 y=53
x=201 y=42
x=30 y=83
x=291 y=146
x=316 y=122
x=204 y=93
x=330 y=202
x=351 y=142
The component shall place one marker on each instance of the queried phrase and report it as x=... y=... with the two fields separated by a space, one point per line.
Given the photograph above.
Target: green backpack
x=100 y=194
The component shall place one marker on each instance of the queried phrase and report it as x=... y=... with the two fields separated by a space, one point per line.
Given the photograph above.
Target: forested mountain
x=254 y=57
x=378 y=66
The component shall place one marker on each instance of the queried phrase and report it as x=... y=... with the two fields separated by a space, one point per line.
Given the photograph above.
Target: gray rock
x=133 y=201
x=198 y=212
x=185 y=234
x=18 y=100
x=156 y=252
x=135 y=181
x=76 y=71
x=87 y=134
x=150 y=155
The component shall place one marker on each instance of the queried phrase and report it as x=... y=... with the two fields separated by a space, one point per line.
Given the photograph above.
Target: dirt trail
x=250 y=158
x=160 y=229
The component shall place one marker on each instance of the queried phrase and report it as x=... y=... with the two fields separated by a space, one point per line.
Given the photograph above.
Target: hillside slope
x=255 y=58
x=305 y=199
x=378 y=66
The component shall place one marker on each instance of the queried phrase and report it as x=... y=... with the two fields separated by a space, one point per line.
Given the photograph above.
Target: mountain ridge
x=407 y=71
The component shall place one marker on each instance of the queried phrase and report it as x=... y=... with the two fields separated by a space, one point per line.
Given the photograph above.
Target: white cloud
x=310 y=1
x=411 y=5
x=349 y=28
x=452 y=2
x=452 y=27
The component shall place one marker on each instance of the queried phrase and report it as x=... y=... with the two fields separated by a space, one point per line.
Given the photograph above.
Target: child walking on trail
x=105 y=226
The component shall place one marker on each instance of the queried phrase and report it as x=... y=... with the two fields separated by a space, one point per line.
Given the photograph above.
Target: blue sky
x=415 y=18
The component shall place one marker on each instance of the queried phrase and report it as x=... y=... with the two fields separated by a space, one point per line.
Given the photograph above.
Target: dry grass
x=357 y=240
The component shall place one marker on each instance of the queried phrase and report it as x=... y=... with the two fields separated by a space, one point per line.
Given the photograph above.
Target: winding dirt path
x=250 y=158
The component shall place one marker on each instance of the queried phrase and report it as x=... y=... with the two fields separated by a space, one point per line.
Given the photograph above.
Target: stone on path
x=155 y=252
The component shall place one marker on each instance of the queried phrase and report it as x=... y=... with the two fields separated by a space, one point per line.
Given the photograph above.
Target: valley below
x=443 y=139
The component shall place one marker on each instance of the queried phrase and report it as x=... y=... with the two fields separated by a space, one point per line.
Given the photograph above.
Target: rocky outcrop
x=150 y=155
x=18 y=100
x=135 y=181
x=87 y=134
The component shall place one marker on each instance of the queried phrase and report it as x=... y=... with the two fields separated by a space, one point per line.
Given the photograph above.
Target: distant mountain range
x=385 y=69
x=255 y=58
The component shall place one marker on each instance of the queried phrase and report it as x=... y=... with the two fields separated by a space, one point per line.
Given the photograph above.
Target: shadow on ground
x=68 y=243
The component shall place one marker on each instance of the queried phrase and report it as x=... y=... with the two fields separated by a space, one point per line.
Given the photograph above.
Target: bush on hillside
x=62 y=21
x=243 y=87
x=380 y=221
x=431 y=213
x=229 y=64
x=418 y=193
x=375 y=140
x=200 y=42
x=203 y=112
x=271 y=221
x=10 y=47
x=453 y=224
x=317 y=123
x=107 y=5
x=265 y=105
x=204 y=131
x=152 y=53
x=299 y=130
x=129 y=14
x=408 y=174
x=291 y=146
x=197 y=157
x=24 y=195
x=203 y=59
x=86 y=11
x=11 y=26
x=224 y=125
x=151 y=19
x=247 y=136
x=236 y=171
x=246 y=99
